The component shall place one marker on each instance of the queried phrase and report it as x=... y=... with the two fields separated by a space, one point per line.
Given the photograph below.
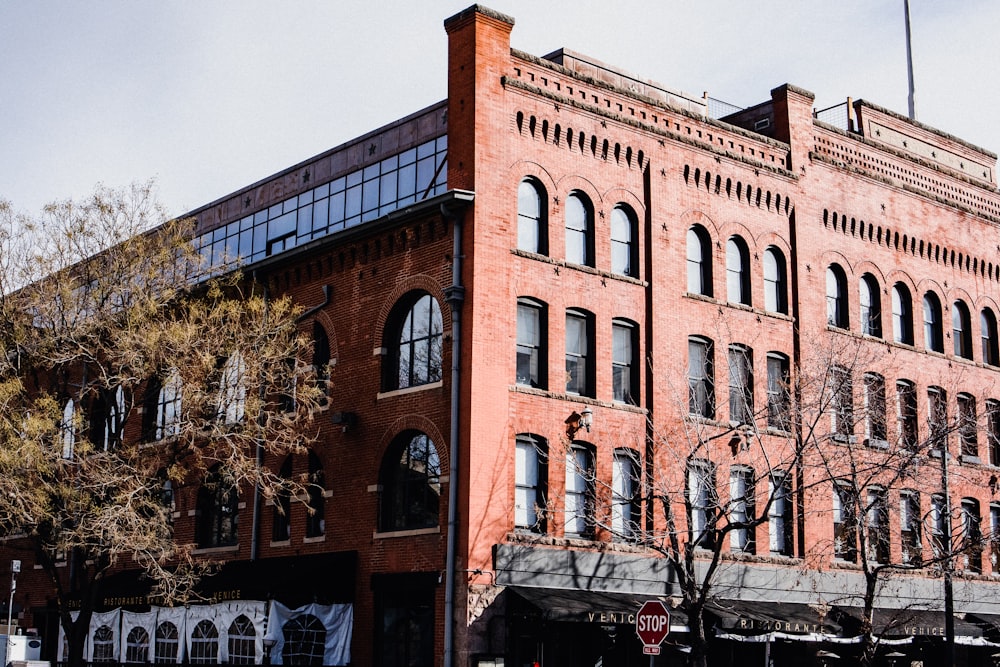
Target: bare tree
x=124 y=375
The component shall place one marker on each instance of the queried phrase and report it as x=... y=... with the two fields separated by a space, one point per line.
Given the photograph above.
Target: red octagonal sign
x=652 y=624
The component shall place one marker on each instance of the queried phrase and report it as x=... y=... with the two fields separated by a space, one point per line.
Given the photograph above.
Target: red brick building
x=567 y=297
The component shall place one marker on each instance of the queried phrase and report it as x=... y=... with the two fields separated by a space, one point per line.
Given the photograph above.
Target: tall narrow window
x=906 y=397
x=530 y=476
x=701 y=378
x=937 y=417
x=737 y=271
x=909 y=527
x=836 y=297
x=939 y=521
x=845 y=522
x=168 y=406
x=281 y=516
x=699 y=261
x=740 y=384
x=841 y=403
x=875 y=409
x=579 y=230
x=411 y=483
x=741 y=510
x=530 y=343
x=218 y=510
x=775 y=282
x=972 y=535
x=108 y=419
x=579 y=491
x=778 y=391
x=624 y=241
x=993 y=431
x=232 y=399
x=995 y=537
x=531 y=227
x=68 y=429
x=968 y=426
x=871 y=306
x=961 y=330
x=579 y=352
x=878 y=526
x=779 y=516
x=413 y=337
x=703 y=502
x=625 y=495
x=988 y=333
x=933 y=338
x=321 y=359
x=624 y=375
x=902 y=314
x=316 y=492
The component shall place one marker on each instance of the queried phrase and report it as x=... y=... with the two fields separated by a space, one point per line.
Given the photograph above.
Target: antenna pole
x=911 y=103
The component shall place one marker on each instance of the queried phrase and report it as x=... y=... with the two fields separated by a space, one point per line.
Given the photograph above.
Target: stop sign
x=652 y=623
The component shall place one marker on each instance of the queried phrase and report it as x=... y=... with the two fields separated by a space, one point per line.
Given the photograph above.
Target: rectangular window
x=875 y=409
x=993 y=431
x=701 y=383
x=625 y=495
x=530 y=363
x=995 y=537
x=909 y=527
x=939 y=525
x=577 y=354
x=906 y=395
x=845 y=522
x=878 y=526
x=579 y=492
x=702 y=503
x=841 y=403
x=779 y=516
x=778 y=395
x=530 y=475
x=741 y=510
x=623 y=373
x=937 y=416
x=968 y=426
x=740 y=384
x=972 y=535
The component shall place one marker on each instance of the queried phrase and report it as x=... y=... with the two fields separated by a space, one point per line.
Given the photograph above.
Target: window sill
x=314 y=540
x=232 y=548
x=844 y=439
x=409 y=390
x=876 y=443
x=970 y=459
x=281 y=543
x=405 y=533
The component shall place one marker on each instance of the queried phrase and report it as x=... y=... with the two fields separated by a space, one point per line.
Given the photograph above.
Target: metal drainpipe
x=255 y=523
x=455 y=295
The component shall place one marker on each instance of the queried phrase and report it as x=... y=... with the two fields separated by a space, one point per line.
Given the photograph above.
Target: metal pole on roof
x=911 y=102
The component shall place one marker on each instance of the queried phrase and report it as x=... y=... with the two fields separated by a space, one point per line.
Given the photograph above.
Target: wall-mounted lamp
x=346 y=420
x=579 y=420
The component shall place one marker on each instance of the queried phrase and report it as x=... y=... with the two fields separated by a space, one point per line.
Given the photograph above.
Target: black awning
x=910 y=622
x=746 y=617
x=291 y=580
x=585 y=606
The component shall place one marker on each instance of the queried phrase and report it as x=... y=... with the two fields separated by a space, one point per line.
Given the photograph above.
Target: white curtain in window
x=338 y=619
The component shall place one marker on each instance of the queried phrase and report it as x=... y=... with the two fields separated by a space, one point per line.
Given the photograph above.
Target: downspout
x=455 y=296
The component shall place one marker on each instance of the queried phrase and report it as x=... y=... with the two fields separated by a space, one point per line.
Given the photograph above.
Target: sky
x=207 y=96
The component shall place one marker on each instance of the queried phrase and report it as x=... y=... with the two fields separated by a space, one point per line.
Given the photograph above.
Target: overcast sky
x=206 y=96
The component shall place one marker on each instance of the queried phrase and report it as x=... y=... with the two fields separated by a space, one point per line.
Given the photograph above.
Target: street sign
x=652 y=624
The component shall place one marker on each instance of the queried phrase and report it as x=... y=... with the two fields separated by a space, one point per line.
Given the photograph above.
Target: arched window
x=304 y=641
x=411 y=483
x=933 y=338
x=775 y=282
x=624 y=241
x=579 y=353
x=699 y=261
x=104 y=645
x=625 y=495
x=67 y=428
x=204 y=644
x=961 y=330
x=870 y=301
x=232 y=400
x=413 y=340
x=530 y=483
x=108 y=419
x=580 y=490
x=836 y=297
x=165 y=649
x=532 y=234
x=531 y=338
x=218 y=510
x=737 y=271
x=242 y=642
x=137 y=646
x=321 y=359
x=316 y=514
x=579 y=230
x=988 y=332
x=163 y=406
x=281 y=517
x=902 y=314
